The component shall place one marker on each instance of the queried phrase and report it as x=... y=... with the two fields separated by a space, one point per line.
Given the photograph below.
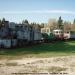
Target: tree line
x=59 y=24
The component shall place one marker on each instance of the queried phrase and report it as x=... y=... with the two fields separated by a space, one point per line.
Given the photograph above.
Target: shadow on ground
x=60 y=46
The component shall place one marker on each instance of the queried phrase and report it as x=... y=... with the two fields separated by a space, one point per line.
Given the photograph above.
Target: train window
x=67 y=32
x=56 y=31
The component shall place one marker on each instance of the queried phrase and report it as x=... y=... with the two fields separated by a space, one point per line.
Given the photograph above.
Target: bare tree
x=52 y=23
x=67 y=26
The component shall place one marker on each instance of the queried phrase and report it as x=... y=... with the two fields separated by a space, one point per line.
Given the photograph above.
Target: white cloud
x=40 y=12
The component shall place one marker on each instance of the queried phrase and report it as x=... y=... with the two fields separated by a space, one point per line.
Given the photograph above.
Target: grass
x=60 y=48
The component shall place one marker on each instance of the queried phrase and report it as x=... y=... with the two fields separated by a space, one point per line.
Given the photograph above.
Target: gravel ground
x=64 y=65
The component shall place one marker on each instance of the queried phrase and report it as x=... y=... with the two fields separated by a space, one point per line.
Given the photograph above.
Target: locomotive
x=53 y=36
x=59 y=35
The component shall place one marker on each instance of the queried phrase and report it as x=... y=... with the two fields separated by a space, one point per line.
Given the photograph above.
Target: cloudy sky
x=37 y=10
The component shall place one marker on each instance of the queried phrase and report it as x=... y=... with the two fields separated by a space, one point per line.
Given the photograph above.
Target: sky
x=39 y=11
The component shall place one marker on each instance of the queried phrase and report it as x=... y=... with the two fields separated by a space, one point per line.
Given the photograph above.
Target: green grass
x=42 y=50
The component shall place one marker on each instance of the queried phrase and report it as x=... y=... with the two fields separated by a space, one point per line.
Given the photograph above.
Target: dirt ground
x=64 y=65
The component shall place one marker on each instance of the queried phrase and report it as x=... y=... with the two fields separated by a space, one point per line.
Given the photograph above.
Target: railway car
x=72 y=35
x=48 y=37
x=59 y=35
x=35 y=36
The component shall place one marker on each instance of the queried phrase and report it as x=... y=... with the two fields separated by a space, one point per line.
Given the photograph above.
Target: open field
x=64 y=65
x=41 y=59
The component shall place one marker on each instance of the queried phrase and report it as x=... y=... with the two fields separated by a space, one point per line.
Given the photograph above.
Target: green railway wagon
x=51 y=37
x=48 y=37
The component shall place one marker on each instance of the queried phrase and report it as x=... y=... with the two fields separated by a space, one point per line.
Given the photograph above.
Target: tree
x=25 y=22
x=33 y=25
x=73 y=26
x=42 y=25
x=60 y=23
x=67 y=26
x=36 y=26
x=52 y=24
x=74 y=21
x=0 y=23
x=3 y=22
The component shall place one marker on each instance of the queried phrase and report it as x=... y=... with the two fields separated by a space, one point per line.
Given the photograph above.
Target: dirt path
x=39 y=66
